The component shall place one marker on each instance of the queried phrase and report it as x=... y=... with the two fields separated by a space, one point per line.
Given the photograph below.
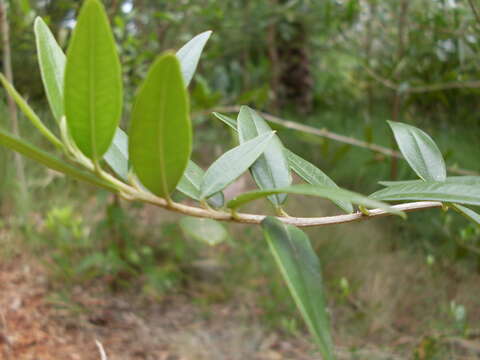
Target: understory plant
x=152 y=162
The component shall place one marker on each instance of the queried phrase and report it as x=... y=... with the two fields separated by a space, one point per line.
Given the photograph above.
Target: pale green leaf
x=117 y=154
x=232 y=164
x=301 y=270
x=161 y=133
x=93 y=82
x=420 y=151
x=314 y=190
x=468 y=213
x=226 y=120
x=189 y=55
x=271 y=169
x=207 y=231
x=466 y=180
x=52 y=67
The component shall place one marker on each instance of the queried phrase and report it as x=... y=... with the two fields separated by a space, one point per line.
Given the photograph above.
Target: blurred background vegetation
x=343 y=65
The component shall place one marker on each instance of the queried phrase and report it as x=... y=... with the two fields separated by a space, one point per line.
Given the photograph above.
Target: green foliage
x=208 y=231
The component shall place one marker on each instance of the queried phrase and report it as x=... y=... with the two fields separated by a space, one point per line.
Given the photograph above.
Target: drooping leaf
x=232 y=164
x=313 y=175
x=301 y=271
x=93 y=82
x=226 y=120
x=420 y=151
x=189 y=55
x=271 y=169
x=117 y=154
x=51 y=161
x=207 y=231
x=29 y=113
x=191 y=182
x=468 y=213
x=161 y=133
x=52 y=67
x=466 y=180
x=314 y=190
x=432 y=191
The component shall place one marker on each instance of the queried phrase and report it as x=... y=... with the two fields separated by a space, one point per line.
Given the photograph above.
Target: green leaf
x=93 y=82
x=207 y=231
x=232 y=164
x=313 y=175
x=468 y=213
x=420 y=151
x=189 y=55
x=51 y=161
x=226 y=120
x=271 y=169
x=314 y=190
x=191 y=182
x=29 y=113
x=432 y=191
x=52 y=67
x=117 y=154
x=466 y=180
x=301 y=271
x=161 y=133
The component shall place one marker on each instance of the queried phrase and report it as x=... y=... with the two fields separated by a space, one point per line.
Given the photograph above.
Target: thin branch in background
x=474 y=10
x=12 y=108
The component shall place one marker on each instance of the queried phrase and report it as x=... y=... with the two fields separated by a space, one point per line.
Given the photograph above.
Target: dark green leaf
x=117 y=154
x=432 y=191
x=208 y=231
x=189 y=55
x=93 y=82
x=301 y=271
x=270 y=170
x=313 y=175
x=420 y=151
x=161 y=133
x=232 y=164
x=52 y=67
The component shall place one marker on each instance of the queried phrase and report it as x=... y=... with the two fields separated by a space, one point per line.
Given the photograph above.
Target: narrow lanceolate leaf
x=420 y=151
x=466 y=180
x=93 y=82
x=468 y=213
x=232 y=164
x=432 y=191
x=52 y=67
x=313 y=175
x=191 y=182
x=117 y=154
x=29 y=113
x=161 y=133
x=271 y=169
x=226 y=120
x=301 y=271
x=207 y=231
x=189 y=55
x=314 y=190
x=50 y=161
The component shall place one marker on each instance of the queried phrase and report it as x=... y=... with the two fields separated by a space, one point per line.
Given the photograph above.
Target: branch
x=336 y=137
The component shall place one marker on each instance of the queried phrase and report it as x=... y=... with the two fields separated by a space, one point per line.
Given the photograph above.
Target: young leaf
x=51 y=161
x=420 y=151
x=189 y=55
x=52 y=67
x=208 y=231
x=29 y=113
x=232 y=164
x=301 y=271
x=190 y=185
x=314 y=190
x=468 y=213
x=161 y=133
x=313 y=175
x=466 y=180
x=271 y=169
x=432 y=191
x=117 y=154
x=93 y=82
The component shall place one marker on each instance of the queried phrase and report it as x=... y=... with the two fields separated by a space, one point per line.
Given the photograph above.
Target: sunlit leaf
x=189 y=55
x=232 y=164
x=301 y=271
x=207 y=231
x=420 y=151
x=93 y=82
x=271 y=169
x=161 y=133
x=52 y=67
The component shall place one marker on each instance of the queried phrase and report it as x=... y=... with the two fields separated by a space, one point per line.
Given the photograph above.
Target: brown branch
x=474 y=10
